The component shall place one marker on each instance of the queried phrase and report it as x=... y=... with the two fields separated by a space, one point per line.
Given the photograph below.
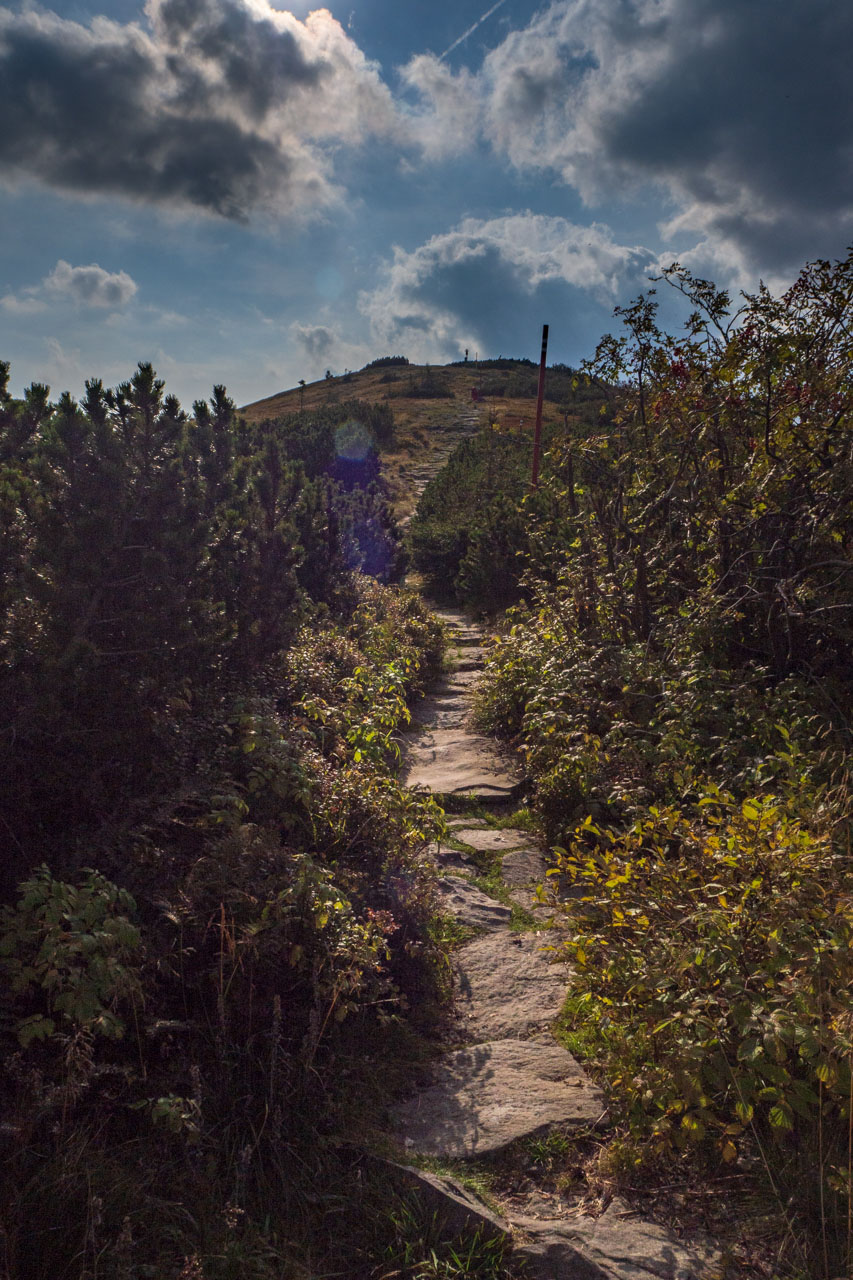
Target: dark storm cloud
x=756 y=94
x=259 y=64
x=217 y=108
x=472 y=284
x=741 y=109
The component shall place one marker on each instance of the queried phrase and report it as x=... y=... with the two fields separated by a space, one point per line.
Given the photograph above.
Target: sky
x=249 y=195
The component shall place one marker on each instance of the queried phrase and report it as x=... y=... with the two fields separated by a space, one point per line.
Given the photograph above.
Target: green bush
x=201 y=694
x=714 y=938
x=672 y=675
x=287 y=925
x=69 y=957
x=466 y=531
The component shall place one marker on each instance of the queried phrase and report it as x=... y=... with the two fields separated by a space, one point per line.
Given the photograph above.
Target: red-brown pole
x=537 y=431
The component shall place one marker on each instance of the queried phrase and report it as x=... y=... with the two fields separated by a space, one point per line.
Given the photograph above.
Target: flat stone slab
x=485 y=1097
x=469 y=905
x=450 y=861
x=456 y=682
x=506 y=986
x=472 y=659
x=459 y=625
x=452 y=762
x=619 y=1245
x=453 y=617
x=441 y=693
x=523 y=866
x=490 y=839
x=448 y=712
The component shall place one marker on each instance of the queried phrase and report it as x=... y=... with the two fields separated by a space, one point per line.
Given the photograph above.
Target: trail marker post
x=537 y=430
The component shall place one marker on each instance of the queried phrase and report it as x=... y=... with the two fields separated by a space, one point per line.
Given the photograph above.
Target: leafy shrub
x=489 y=571
x=72 y=953
x=200 y=696
x=672 y=676
x=713 y=938
x=432 y=386
x=287 y=923
x=462 y=509
x=476 y=522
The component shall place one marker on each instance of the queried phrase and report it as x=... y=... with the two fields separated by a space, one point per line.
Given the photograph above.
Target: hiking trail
x=502 y=1077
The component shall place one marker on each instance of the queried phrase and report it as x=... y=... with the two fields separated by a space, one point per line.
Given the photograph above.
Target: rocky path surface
x=414 y=474
x=503 y=1078
x=409 y=475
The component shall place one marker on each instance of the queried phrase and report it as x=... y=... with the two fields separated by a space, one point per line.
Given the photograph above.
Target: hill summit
x=434 y=407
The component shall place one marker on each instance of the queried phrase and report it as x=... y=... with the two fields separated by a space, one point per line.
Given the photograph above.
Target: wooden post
x=537 y=431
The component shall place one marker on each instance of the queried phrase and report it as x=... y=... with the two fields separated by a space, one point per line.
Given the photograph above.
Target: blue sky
x=252 y=195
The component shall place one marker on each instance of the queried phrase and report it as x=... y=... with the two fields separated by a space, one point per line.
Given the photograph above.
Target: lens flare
x=353 y=441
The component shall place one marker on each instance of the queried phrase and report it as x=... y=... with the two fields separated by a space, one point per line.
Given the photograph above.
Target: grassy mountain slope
x=433 y=410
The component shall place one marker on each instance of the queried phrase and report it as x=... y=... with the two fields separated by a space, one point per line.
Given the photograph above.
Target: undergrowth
x=178 y=1061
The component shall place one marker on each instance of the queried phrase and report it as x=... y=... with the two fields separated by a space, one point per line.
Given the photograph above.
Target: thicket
x=211 y=899
x=496 y=362
x=469 y=534
x=326 y=439
x=382 y=362
x=678 y=676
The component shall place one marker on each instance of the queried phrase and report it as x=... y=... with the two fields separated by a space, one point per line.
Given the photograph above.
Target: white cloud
x=62 y=367
x=89 y=286
x=448 y=119
x=25 y=305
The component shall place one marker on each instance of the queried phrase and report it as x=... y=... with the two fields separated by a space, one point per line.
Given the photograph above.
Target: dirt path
x=503 y=1078
x=424 y=440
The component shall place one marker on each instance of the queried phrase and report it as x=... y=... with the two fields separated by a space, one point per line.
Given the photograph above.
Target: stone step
x=457 y=682
x=457 y=1209
x=484 y=1097
x=507 y=986
x=491 y=839
x=617 y=1245
x=445 y=694
x=457 y=621
x=451 y=762
x=523 y=867
x=451 y=861
x=450 y=713
x=470 y=906
x=471 y=660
